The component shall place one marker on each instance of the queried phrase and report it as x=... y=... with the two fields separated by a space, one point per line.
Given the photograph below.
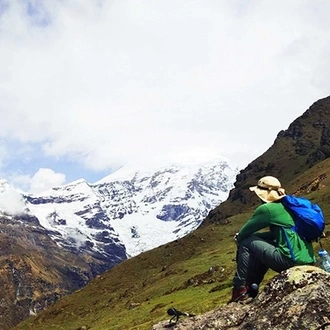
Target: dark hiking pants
x=254 y=257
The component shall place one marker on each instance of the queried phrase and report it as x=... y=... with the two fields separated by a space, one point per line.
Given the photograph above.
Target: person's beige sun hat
x=269 y=189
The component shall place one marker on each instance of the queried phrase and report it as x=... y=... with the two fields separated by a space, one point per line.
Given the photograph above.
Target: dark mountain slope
x=305 y=143
x=34 y=271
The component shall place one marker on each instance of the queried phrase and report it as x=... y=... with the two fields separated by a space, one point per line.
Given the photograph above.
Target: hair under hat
x=269 y=189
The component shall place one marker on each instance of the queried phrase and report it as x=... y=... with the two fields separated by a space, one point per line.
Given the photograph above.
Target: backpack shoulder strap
x=289 y=244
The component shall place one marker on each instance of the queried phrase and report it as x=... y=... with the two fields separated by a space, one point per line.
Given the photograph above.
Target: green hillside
x=192 y=274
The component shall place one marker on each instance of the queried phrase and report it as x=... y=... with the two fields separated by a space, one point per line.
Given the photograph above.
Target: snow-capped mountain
x=55 y=242
x=132 y=210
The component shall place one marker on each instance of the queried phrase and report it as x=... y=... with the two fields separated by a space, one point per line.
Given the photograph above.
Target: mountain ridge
x=167 y=195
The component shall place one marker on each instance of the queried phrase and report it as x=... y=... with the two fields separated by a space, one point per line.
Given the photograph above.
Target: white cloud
x=3 y=154
x=11 y=201
x=21 y=182
x=45 y=179
x=105 y=82
x=40 y=181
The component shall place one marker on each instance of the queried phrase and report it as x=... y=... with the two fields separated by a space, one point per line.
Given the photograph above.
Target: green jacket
x=275 y=216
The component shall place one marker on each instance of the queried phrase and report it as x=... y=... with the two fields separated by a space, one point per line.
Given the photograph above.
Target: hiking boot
x=239 y=294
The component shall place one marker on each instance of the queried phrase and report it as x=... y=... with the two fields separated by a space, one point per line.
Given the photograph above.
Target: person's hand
x=236 y=238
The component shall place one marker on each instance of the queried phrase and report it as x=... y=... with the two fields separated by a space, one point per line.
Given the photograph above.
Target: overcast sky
x=89 y=85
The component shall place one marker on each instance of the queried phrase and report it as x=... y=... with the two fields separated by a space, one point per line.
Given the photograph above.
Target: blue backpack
x=308 y=217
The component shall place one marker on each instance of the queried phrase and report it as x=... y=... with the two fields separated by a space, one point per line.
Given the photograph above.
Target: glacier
x=132 y=210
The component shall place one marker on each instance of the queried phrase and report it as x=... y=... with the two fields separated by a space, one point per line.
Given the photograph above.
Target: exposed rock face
x=305 y=143
x=298 y=298
x=34 y=271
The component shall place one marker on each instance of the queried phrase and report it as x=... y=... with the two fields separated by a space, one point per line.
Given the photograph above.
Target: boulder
x=296 y=299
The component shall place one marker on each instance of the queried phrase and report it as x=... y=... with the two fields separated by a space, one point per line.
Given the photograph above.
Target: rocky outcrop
x=34 y=271
x=298 y=298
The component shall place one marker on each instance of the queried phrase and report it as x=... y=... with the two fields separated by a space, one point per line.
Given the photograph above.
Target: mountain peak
x=147 y=167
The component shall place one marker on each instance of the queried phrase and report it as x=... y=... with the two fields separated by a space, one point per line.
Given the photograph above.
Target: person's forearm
x=266 y=235
x=251 y=227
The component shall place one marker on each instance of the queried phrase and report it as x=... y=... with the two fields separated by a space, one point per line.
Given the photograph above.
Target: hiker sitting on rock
x=257 y=252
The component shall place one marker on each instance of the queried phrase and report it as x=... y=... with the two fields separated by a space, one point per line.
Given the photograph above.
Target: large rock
x=298 y=298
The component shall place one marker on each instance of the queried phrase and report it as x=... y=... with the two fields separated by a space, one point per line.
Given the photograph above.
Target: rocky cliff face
x=298 y=298
x=305 y=143
x=34 y=271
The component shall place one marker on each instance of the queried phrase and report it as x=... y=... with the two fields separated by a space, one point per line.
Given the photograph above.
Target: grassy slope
x=136 y=293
